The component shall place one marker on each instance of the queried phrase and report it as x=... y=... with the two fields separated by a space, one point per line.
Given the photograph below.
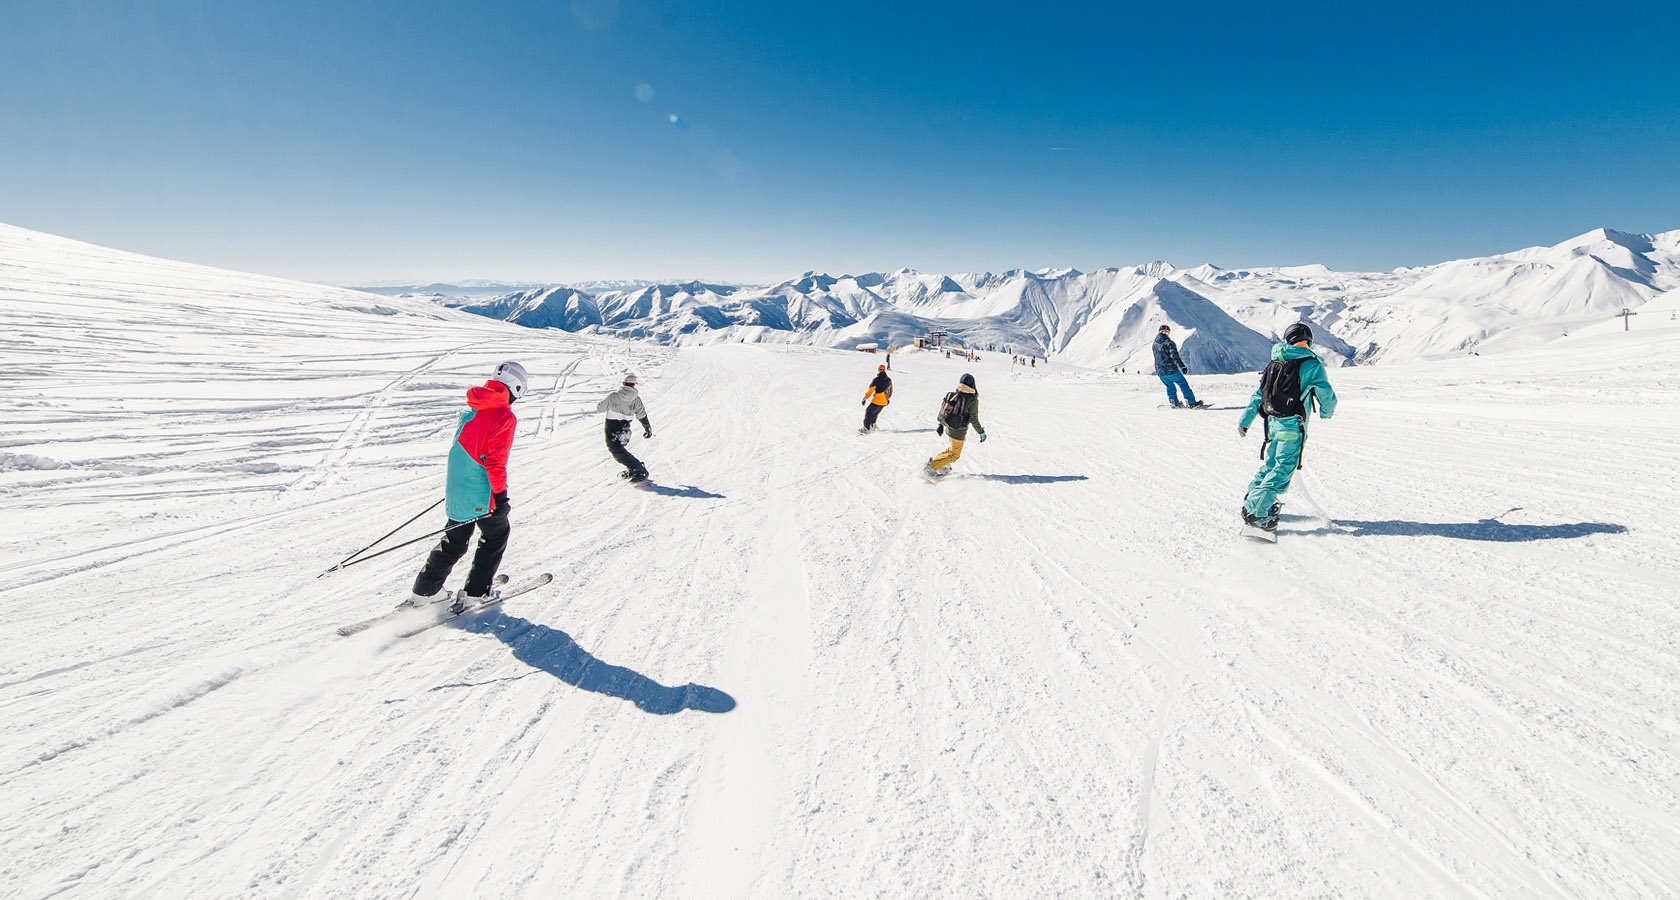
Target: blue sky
x=358 y=142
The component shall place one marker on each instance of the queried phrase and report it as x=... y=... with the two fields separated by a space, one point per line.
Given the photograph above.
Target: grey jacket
x=624 y=403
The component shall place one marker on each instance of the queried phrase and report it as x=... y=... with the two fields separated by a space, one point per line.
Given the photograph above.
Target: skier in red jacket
x=475 y=492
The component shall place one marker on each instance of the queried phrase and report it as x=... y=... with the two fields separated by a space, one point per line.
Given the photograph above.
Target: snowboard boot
x=1198 y=405
x=1249 y=518
x=1269 y=522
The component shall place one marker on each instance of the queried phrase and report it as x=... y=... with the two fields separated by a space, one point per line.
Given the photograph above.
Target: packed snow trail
x=796 y=670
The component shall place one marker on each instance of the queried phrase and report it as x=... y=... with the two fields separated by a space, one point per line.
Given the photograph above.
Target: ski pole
x=346 y=560
x=348 y=564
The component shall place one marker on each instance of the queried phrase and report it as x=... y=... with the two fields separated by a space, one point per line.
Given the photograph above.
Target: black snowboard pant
x=618 y=444
x=870 y=415
x=493 y=533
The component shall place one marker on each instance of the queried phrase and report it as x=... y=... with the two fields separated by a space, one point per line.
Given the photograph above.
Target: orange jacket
x=880 y=389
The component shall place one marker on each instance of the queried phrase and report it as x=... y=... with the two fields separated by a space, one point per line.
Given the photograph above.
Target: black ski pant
x=870 y=415
x=493 y=533
x=618 y=444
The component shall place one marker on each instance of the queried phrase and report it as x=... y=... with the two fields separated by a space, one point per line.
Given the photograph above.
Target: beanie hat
x=630 y=378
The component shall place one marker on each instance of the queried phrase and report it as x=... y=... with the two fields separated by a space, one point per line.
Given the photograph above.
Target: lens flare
x=644 y=92
x=677 y=121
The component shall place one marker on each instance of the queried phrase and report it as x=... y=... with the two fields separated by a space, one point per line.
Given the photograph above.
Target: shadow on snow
x=553 y=651
x=1028 y=479
x=687 y=490
x=1483 y=530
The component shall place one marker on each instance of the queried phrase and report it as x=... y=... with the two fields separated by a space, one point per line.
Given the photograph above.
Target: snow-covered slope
x=792 y=669
x=1498 y=302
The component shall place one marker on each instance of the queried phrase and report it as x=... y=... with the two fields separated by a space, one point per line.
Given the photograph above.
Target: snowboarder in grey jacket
x=1170 y=367
x=621 y=406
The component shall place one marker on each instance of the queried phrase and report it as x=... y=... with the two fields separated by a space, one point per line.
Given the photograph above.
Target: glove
x=940 y=430
x=866 y=403
x=502 y=504
x=647 y=434
x=982 y=437
x=1242 y=430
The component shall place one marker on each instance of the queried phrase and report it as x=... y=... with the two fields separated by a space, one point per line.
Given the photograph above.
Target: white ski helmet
x=630 y=378
x=511 y=374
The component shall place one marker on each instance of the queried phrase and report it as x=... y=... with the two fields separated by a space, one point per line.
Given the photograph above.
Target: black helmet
x=1297 y=332
x=968 y=380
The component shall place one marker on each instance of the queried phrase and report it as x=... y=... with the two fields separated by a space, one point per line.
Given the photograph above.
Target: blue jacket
x=1167 y=360
x=1315 y=386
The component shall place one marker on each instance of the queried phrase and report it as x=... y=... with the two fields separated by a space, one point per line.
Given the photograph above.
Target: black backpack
x=953 y=413
x=1280 y=389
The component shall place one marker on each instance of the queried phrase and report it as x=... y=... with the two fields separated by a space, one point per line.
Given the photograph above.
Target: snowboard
x=1205 y=405
x=514 y=590
x=1256 y=533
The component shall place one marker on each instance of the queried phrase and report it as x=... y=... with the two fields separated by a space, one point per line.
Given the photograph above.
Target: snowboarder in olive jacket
x=960 y=410
x=1291 y=386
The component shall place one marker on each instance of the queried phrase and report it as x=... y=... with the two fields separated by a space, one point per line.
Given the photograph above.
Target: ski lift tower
x=1623 y=315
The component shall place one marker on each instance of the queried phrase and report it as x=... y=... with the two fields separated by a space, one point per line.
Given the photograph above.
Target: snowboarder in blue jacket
x=1170 y=367
x=1292 y=384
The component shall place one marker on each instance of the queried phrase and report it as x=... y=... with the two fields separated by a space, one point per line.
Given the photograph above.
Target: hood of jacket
x=493 y=395
x=1290 y=351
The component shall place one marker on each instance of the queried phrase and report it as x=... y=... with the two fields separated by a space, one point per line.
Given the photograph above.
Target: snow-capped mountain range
x=1224 y=319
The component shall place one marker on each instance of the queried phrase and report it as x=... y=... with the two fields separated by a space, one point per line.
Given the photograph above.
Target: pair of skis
x=431 y=615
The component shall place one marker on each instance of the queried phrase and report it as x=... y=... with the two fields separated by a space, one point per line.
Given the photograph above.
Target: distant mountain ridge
x=1224 y=319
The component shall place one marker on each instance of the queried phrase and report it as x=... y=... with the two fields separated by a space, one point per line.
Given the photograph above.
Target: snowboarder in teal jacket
x=1291 y=386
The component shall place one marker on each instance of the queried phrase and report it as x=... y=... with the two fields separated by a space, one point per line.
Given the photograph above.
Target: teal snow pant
x=1282 y=457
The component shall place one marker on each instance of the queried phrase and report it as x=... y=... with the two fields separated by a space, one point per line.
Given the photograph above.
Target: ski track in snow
x=800 y=671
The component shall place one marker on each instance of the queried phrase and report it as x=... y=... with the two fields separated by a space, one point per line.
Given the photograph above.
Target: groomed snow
x=793 y=669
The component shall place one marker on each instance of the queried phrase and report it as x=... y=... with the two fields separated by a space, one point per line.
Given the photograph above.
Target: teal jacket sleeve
x=1252 y=410
x=1316 y=385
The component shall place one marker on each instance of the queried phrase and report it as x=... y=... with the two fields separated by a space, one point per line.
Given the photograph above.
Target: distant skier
x=475 y=490
x=960 y=410
x=1171 y=369
x=1289 y=388
x=876 y=398
x=621 y=406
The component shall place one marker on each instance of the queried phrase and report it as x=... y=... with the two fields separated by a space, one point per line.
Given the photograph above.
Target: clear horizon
x=614 y=140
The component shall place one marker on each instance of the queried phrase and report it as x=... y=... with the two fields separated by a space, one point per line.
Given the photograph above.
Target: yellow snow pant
x=951 y=455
